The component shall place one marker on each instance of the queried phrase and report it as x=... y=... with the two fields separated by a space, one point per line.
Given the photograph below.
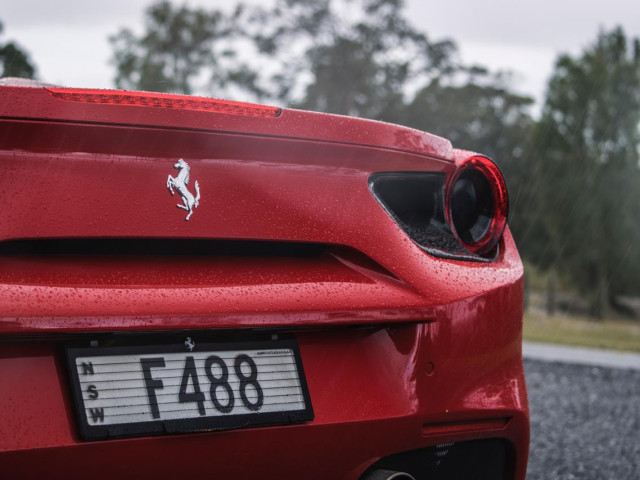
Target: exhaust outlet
x=387 y=475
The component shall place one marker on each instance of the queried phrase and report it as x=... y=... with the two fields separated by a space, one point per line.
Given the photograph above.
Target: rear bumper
x=376 y=391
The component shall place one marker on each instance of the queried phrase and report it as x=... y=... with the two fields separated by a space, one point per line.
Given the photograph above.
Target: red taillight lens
x=163 y=100
x=477 y=205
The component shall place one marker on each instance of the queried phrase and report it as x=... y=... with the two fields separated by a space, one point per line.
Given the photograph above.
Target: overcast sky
x=67 y=39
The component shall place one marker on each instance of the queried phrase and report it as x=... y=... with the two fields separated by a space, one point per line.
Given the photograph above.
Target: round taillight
x=477 y=204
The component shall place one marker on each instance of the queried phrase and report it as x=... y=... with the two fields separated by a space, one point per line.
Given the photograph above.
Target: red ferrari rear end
x=193 y=287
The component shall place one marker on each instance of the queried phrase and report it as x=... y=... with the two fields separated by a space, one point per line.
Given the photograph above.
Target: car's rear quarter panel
x=401 y=350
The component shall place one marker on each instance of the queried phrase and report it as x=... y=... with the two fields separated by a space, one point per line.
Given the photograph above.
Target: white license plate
x=134 y=390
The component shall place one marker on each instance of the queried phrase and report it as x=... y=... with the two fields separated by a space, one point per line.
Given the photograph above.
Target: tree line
x=573 y=174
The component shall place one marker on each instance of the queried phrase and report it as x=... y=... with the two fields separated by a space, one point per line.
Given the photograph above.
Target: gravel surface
x=585 y=422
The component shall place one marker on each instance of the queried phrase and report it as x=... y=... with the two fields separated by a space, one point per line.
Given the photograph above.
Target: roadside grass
x=610 y=334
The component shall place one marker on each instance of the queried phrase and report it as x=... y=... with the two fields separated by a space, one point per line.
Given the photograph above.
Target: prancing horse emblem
x=190 y=344
x=180 y=183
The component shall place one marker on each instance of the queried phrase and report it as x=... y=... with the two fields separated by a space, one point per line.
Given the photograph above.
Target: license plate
x=136 y=390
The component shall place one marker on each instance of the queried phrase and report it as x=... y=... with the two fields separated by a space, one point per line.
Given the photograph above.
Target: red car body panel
x=401 y=350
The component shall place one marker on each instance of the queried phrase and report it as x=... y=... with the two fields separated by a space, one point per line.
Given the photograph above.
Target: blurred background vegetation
x=573 y=174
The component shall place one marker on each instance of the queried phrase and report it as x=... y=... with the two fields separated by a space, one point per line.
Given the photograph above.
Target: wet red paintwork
x=89 y=170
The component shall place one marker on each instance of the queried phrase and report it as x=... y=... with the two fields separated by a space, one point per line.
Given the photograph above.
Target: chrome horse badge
x=180 y=182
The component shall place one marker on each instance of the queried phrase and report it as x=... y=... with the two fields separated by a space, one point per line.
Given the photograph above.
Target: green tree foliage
x=354 y=57
x=180 y=47
x=588 y=182
x=14 y=61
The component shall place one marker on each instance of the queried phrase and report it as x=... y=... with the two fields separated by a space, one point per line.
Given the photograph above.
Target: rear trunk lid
x=82 y=165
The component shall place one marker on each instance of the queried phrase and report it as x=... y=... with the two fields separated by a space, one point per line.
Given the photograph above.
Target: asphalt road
x=585 y=421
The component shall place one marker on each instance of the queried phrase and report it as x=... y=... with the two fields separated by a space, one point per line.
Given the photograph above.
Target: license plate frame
x=185 y=425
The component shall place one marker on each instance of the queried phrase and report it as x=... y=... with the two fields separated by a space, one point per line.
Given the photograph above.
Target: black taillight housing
x=461 y=215
x=477 y=204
